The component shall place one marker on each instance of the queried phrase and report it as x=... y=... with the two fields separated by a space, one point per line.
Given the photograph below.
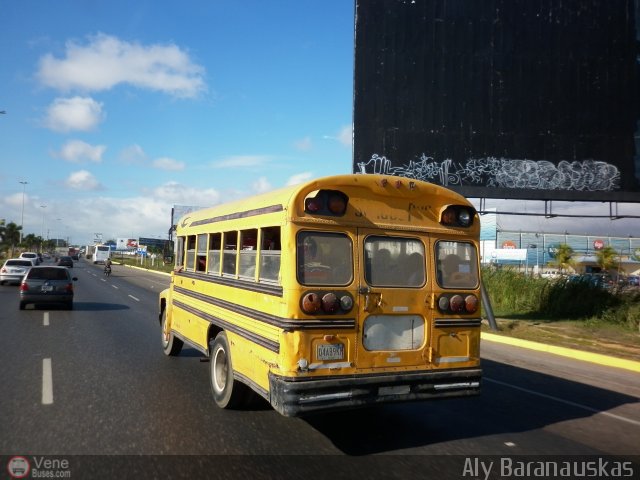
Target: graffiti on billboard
x=584 y=175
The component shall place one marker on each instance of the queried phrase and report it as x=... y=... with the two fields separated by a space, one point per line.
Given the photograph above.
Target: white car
x=14 y=270
x=31 y=256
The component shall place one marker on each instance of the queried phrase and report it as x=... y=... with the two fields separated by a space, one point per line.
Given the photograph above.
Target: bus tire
x=227 y=392
x=171 y=345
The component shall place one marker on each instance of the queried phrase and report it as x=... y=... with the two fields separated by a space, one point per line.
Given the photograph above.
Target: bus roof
x=377 y=191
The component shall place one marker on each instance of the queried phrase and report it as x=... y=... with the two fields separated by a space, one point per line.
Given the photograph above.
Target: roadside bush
x=515 y=295
x=626 y=313
x=571 y=299
x=512 y=292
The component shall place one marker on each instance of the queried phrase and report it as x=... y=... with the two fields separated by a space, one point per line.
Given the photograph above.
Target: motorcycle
x=107 y=270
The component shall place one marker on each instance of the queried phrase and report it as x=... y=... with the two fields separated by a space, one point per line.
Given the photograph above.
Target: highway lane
x=114 y=392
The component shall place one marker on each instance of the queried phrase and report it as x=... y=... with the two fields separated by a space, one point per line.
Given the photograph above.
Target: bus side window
x=191 y=252
x=179 y=252
x=230 y=252
x=270 y=252
x=248 y=250
x=201 y=263
x=215 y=241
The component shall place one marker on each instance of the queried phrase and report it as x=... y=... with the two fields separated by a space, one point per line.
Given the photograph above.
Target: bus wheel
x=227 y=392
x=171 y=345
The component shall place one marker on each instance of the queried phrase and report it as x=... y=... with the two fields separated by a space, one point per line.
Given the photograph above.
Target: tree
x=606 y=258
x=31 y=242
x=563 y=258
x=10 y=235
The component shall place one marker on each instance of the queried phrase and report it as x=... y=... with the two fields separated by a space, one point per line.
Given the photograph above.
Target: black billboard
x=527 y=99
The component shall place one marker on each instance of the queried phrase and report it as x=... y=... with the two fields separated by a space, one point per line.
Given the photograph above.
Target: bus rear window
x=457 y=264
x=324 y=258
x=394 y=262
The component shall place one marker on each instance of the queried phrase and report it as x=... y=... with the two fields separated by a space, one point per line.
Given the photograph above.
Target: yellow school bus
x=341 y=292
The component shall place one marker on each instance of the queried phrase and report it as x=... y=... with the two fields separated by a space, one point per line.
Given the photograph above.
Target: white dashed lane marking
x=47 y=382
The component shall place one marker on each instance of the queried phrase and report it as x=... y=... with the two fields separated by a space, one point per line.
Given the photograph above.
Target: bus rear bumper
x=296 y=396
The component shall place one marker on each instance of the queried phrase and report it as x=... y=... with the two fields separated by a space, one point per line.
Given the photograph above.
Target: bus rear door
x=392 y=301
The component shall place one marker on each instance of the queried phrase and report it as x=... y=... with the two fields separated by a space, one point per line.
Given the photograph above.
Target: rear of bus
x=101 y=253
x=384 y=290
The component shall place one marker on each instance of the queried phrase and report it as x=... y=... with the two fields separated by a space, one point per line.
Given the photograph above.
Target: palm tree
x=606 y=258
x=10 y=235
x=31 y=242
x=563 y=258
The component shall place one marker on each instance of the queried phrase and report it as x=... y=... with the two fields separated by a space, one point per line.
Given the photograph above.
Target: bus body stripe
x=267 y=289
x=258 y=339
x=280 y=322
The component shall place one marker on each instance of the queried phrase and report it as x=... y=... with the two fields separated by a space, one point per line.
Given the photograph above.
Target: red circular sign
x=598 y=244
x=509 y=244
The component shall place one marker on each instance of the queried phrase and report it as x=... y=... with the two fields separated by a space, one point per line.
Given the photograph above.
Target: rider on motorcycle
x=107 y=265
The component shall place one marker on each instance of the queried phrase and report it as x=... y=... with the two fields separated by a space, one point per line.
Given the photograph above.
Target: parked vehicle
x=633 y=280
x=14 y=270
x=47 y=285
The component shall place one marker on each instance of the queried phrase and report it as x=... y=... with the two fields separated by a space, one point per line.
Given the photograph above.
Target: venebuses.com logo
x=20 y=466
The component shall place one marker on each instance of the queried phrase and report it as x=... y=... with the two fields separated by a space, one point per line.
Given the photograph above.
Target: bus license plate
x=332 y=351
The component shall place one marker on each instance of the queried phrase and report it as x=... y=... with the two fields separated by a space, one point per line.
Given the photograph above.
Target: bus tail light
x=471 y=303
x=346 y=303
x=330 y=303
x=456 y=303
x=332 y=203
x=326 y=303
x=337 y=203
x=457 y=216
x=313 y=205
x=311 y=303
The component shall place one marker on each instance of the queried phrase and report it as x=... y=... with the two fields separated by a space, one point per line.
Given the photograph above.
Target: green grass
x=517 y=296
x=146 y=263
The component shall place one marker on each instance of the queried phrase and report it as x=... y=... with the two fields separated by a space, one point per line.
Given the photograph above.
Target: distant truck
x=88 y=251
x=74 y=252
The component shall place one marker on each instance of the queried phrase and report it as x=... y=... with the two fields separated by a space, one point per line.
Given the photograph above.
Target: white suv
x=31 y=256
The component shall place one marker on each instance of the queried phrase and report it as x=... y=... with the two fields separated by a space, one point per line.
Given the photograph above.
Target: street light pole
x=24 y=186
x=42 y=230
x=59 y=231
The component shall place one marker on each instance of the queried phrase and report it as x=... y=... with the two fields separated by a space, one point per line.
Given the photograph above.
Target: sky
x=116 y=111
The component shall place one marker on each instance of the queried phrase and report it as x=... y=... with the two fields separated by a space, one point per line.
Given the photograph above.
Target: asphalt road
x=94 y=382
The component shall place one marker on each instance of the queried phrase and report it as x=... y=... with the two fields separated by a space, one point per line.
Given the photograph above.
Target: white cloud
x=166 y=163
x=344 y=136
x=242 y=161
x=83 y=214
x=304 y=144
x=77 y=151
x=15 y=200
x=299 y=178
x=174 y=193
x=77 y=113
x=82 y=180
x=105 y=61
x=261 y=185
x=133 y=154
